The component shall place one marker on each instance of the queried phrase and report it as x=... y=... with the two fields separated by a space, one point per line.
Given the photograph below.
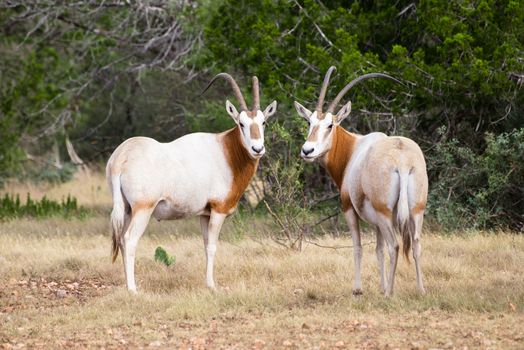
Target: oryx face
x=320 y=132
x=322 y=125
x=252 y=125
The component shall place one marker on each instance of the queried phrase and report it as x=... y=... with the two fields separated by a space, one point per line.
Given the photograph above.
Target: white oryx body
x=165 y=175
x=381 y=179
x=200 y=174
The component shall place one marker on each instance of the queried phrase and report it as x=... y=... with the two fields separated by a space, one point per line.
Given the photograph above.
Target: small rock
x=340 y=344
x=512 y=307
x=198 y=341
x=61 y=293
x=305 y=326
x=287 y=343
x=155 y=344
x=259 y=343
x=487 y=342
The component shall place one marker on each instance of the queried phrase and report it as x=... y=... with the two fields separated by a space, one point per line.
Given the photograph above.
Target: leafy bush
x=479 y=190
x=163 y=257
x=286 y=203
x=11 y=207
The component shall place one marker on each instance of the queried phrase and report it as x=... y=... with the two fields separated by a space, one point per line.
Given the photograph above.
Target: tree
x=61 y=58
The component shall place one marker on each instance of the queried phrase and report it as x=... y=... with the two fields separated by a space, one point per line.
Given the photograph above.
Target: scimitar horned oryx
x=200 y=174
x=382 y=179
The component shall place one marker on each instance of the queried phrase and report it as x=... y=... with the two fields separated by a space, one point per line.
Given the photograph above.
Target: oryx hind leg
x=387 y=230
x=416 y=223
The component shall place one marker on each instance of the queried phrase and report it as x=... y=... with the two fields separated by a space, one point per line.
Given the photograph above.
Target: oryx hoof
x=357 y=292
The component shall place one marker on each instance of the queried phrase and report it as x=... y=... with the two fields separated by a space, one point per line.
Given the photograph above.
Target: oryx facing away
x=200 y=174
x=382 y=179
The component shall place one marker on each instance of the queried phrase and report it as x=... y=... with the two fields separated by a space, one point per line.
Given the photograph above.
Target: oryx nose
x=307 y=151
x=257 y=149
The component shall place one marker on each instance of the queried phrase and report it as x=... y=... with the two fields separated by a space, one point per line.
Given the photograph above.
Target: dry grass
x=271 y=297
x=58 y=288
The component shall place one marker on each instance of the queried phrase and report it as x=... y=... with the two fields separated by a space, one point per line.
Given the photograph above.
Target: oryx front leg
x=380 y=259
x=135 y=229
x=214 y=224
x=352 y=220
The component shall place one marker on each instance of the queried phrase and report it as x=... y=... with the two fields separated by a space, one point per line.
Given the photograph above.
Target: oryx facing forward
x=382 y=179
x=199 y=174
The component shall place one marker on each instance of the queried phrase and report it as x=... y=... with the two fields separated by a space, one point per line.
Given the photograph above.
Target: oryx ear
x=270 y=110
x=343 y=113
x=232 y=111
x=303 y=111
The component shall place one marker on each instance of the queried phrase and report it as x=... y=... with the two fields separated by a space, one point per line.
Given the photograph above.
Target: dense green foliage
x=11 y=207
x=97 y=73
x=473 y=190
x=458 y=58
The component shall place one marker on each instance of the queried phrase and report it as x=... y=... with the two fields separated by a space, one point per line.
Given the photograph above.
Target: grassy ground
x=58 y=289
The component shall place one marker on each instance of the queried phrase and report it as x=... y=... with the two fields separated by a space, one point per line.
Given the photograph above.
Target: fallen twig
x=336 y=247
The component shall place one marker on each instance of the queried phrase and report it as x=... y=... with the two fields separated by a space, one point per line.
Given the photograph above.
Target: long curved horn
x=256 y=94
x=355 y=81
x=323 y=90
x=234 y=86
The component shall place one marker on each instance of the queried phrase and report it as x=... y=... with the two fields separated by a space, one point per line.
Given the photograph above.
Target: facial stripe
x=314 y=134
x=254 y=130
x=326 y=134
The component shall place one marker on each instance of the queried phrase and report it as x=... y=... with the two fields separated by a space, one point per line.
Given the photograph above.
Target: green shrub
x=11 y=207
x=479 y=190
x=163 y=257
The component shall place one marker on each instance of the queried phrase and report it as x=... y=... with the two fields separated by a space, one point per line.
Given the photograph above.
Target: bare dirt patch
x=44 y=293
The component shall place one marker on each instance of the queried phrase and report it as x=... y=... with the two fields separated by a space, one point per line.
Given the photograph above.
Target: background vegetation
x=98 y=72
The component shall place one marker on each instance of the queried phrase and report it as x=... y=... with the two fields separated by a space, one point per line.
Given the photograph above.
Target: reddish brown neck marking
x=337 y=159
x=243 y=167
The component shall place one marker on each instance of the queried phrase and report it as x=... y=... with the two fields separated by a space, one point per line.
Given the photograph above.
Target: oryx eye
x=308 y=123
x=330 y=126
x=263 y=123
x=241 y=125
